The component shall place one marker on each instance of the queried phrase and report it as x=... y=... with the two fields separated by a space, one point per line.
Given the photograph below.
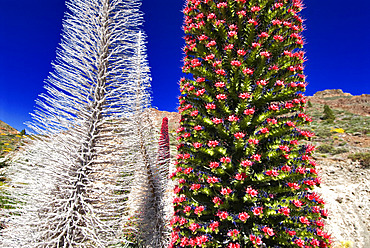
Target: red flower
x=195 y=186
x=214 y=165
x=212 y=180
x=197 y=145
x=265 y=54
x=297 y=203
x=211 y=43
x=188 y=170
x=200 y=92
x=246 y=163
x=285 y=211
x=221 y=72
x=255 y=9
x=278 y=38
x=269 y=231
x=248 y=71
x=254 y=141
x=210 y=106
x=294 y=185
x=262 y=82
x=251 y=192
x=202 y=37
x=256 y=157
x=217 y=121
x=232 y=33
x=264 y=130
x=274 y=107
x=225 y=191
x=232 y=245
x=243 y=216
x=304 y=220
x=291 y=233
x=198 y=128
x=299 y=242
x=236 y=63
x=241 y=13
x=276 y=22
x=233 y=118
x=244 y=95
x=249 y=111
x=209 y=57
x=194 y=226
x=222 y=215
x=214 y=225
x=221 y=96
x=198 y=210
x=194 y=113
x=211 y=16
x=225 y=160
x=240 y=176
x=213 y=143
x=222 y=5
x=255 y=45
x=233 y=233
x=273 y=173
x=216 y=200
x=264 y=35
x=239 y=135
x=241 y=52
x=187 y=209
x=220 y=84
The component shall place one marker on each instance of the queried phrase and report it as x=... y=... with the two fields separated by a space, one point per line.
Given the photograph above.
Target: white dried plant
x=91 y=166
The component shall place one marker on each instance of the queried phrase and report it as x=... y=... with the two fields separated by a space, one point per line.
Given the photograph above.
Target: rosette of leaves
x=244 y=178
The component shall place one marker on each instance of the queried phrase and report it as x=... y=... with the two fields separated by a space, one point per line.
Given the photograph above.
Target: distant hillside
x=9 y=138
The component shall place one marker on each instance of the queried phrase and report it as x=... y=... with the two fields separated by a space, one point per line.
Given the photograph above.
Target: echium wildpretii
x=244 y=178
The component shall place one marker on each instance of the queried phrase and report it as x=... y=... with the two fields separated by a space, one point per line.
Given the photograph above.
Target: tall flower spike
x=73 y=181
x=248 y=55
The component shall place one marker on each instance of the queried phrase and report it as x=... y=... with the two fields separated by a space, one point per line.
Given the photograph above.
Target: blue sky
x=337 y=48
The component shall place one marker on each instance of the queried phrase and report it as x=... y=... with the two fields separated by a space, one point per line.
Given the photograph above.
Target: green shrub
x=363 y=158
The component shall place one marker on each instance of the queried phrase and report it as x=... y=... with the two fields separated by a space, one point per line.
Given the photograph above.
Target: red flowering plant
x=244 y=178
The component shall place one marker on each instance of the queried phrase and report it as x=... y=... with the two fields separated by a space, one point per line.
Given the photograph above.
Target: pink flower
x=188 y=170
x=213 y=143
x=251 y=192
x=232 y=245
x=216 y=63
x=187 y=209
x=233 y=233
x=264 y=35
x=194 y=226
x=257 y=211
x=264 y=130
x=183 y=221
x=252 y=21
x=255 y=45
x=222 y=5
x=214 y=165
x=262 y=82
x=212 y=180
x=195 y=186
x=274 y=107
x=229 y=47
x=297 y=203
x=269 y=231
x=220 y=84
x=240 y=176
x=285 y=211
x=236 y=63
x=255 y=9
x=276 y=22
x=241 y=13
x=184 y=241
x=211 y=43
x=265 y=54
x=284 y=148
x=210 y=106
x=222 y=215
x=197 y=145
x=239 y=135
x=225 y=160
x=198 y=128
x=243 y=216
x=254 y=141
x=246 y=163
x=221 y=96
x=304 y=220
x=221 y=72
x=217 y=121
x=211 y=16
x=202 y=37
x=198 y=210
x=214 y=225
x=273 y=173
x=244 y=95
x=248 y=71
x=291 y=232
x=294 y=185
x=216 y=200
x=299 y=242
x=200 y=92
x=278 y=38
x=233 y=118
x=232 y=33
x=208 y=57
x=225 y=191
x=256 y=157
x=194 y=113
x=272 y=121
x=249 y=111
x=241 y=52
